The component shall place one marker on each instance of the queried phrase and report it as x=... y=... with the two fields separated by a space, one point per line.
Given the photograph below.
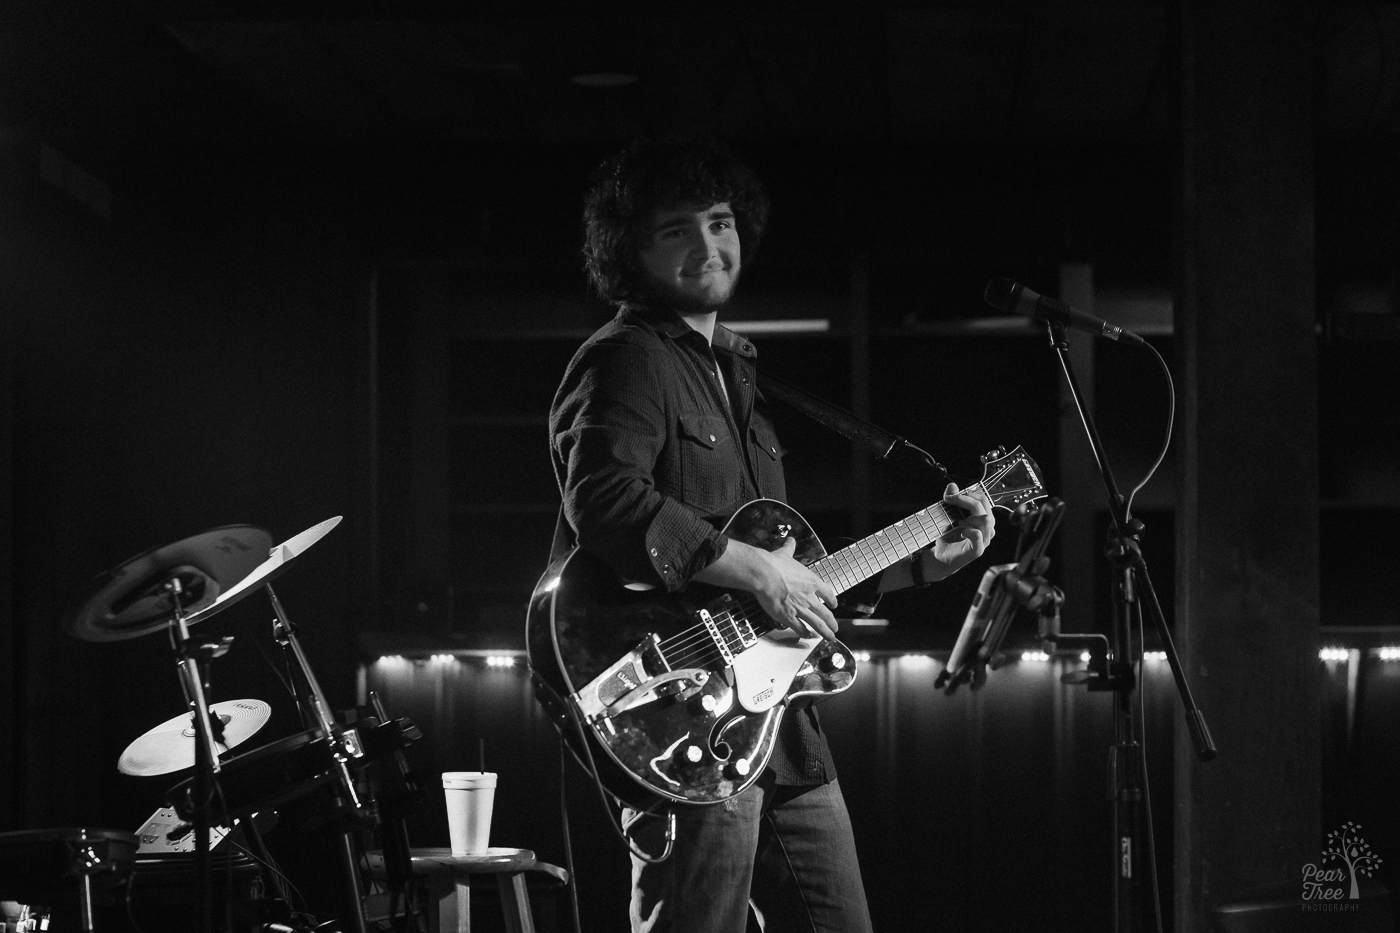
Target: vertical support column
x=11 y=709
x=1080 y=483
x=429 y=528
x=861 y=496
x=1248 y=543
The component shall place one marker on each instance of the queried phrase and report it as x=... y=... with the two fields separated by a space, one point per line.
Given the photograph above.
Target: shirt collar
x=666 y=321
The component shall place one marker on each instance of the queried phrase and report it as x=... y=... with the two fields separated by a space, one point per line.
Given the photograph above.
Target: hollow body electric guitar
x=680 y=695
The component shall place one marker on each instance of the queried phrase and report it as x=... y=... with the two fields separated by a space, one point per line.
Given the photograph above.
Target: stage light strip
x=505 y=659
x=781 y=326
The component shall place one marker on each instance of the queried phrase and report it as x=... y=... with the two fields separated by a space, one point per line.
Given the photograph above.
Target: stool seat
x=448 y=877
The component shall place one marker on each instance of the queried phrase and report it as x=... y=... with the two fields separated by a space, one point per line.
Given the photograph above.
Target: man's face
x=690 y=257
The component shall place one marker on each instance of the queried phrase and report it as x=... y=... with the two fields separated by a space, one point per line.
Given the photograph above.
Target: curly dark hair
x=652 y=175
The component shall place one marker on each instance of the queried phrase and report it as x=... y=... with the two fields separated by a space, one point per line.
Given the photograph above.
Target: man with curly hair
x=658 y=433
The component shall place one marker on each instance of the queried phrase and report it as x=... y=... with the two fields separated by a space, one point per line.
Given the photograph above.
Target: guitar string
x=699 y=636
x=867 y=556
x=699 y=639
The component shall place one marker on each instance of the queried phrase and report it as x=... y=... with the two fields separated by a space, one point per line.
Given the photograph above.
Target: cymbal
x=170 y=745
x=132 y=600
x=282 y=556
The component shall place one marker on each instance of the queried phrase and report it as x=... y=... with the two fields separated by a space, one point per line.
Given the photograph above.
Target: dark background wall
x=251 y=324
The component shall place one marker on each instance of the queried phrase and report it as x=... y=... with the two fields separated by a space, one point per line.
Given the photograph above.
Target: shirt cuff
x=680 y=544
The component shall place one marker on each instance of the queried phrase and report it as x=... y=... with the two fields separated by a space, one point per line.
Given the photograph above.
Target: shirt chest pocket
x=710 y=470
x=768 y=460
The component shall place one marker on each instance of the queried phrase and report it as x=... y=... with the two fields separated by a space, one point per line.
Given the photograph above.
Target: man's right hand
x=789 y=592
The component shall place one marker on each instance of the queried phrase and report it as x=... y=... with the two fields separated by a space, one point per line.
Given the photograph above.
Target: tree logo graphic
x=1347 y=846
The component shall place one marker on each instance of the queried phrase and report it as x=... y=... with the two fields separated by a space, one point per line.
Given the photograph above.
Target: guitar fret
x=867 y=557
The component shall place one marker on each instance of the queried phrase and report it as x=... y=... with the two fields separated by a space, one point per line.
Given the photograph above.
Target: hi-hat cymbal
x=133 y=599
x=282 y=557
x=170 y=745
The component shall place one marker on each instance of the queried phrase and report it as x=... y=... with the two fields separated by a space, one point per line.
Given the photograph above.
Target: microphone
x=1014 y=298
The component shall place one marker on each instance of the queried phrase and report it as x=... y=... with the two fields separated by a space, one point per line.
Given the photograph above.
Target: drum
x=60 y=867
x=269 y=776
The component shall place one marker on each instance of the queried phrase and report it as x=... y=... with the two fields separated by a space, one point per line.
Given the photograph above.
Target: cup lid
x=467 y=779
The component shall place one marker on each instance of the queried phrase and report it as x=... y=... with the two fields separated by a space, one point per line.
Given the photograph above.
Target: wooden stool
x=448 y=877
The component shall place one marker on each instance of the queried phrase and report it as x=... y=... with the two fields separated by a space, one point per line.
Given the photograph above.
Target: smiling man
x=658 y=434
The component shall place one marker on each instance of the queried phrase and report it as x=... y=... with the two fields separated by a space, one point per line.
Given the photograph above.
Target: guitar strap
x=563 y=538
x=886 y=444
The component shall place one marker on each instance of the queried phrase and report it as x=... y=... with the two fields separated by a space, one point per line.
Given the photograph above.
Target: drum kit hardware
x=171 y=589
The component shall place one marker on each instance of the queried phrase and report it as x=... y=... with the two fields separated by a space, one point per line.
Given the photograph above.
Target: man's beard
x=656 y=292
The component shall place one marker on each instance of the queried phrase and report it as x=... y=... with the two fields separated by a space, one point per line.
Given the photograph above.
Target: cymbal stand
x=344 y=745
x=1111 y=668
x=206 y=753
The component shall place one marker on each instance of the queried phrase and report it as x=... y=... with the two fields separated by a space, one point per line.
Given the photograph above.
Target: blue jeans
x=789 y=850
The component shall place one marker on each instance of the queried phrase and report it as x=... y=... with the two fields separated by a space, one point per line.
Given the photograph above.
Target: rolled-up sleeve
x=608 y=428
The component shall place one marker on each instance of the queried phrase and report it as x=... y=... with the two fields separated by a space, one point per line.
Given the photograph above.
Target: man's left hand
x=966 y=540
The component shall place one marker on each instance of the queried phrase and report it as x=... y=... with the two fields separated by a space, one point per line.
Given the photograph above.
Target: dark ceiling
x=122 y=76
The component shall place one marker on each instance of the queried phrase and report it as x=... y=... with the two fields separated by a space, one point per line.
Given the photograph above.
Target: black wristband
x=916 y=569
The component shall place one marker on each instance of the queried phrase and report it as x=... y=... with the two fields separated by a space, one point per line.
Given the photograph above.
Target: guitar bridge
x=638 y=667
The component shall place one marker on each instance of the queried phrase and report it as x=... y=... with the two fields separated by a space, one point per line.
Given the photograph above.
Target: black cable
x=279 y=878
x=568 y=843
x=228 y=861
x=131 y=883
x=272 y=666
x=1166 y=441
x=616 y=827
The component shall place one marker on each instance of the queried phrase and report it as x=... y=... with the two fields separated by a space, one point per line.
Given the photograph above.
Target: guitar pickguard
x=781 y=665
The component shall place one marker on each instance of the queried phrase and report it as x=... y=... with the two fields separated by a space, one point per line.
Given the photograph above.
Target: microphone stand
x=1132 y=590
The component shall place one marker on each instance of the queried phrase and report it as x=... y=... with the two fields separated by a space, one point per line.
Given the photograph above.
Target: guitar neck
x=891 y=544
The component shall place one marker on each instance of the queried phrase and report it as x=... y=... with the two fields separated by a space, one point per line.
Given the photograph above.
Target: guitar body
x=707 y=733
x=678 y=697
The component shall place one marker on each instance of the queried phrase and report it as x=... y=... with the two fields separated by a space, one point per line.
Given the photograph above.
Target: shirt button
x=653 y=552
x=712 y=438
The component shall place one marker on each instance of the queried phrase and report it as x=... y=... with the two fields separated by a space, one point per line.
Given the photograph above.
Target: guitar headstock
x=1011 y=479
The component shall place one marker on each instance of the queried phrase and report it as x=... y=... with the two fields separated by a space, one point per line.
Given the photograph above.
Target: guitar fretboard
x=736 y=626
x=891 y=544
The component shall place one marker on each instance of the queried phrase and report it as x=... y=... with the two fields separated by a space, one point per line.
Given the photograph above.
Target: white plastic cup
x=470 y=797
